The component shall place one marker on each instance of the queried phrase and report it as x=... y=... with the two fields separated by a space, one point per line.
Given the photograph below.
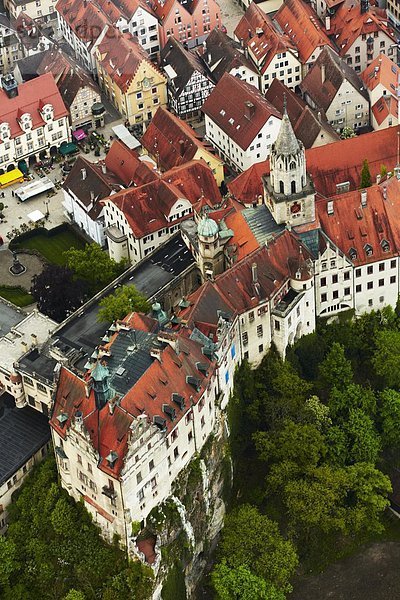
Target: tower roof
x=207 y=227
x=100 y=372
x=286 y=142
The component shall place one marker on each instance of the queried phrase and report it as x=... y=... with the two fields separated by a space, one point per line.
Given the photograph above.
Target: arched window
x=293 y=186
x=292 y=166
x=281 y=188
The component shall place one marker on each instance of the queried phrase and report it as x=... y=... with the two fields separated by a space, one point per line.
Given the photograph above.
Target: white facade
x=79 y=214
x=43 y=10
x=32 y=141
x=257 y=151
x=285 y=66
x=245 y=74
x=83 y=50
x=361 y=53
x=144 y=25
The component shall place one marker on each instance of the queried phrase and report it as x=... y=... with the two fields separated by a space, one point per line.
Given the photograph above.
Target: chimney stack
x=327 y=23
x=104 y=169
x=364 y=198
x=249 y=109
x=254 y=273
x=181 y=147
x=323 y=73
x=91 y=195
x=84 y=174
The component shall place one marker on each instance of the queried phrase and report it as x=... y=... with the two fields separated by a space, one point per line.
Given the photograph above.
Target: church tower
x=288 y=190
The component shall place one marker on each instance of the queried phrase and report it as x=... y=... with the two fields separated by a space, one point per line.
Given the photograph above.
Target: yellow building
x=172 y=142
x=132 y=82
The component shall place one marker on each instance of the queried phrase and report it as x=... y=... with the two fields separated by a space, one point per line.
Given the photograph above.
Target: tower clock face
x=146 y=83
x=295 y=208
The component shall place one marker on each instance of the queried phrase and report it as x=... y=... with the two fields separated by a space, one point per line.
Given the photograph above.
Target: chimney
x=249 y=109
x=79 y=419
x=323 y=73
x=384 y=192
x=181 y=147
x=327 y=23
x=363 y=198
x=91 y=195
x=319 y=116
x=378 y=178
x=259 y=31
x=84 y=174
x=254 y=274
x=111 y=406
x=329 y=208
x=104 y=169
x=34 y=339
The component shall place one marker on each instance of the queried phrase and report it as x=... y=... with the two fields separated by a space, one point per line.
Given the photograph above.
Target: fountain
x=16 y=268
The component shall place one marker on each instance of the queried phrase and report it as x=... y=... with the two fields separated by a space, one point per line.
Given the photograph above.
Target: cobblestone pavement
x=231 y=13
x=32 y=263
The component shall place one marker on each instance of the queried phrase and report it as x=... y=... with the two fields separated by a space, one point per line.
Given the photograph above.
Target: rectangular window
x=323 y=281
x=334 y=278
x=370 y=270
x=346 y=275
x=381 y=266
x=381 y=282
x=277 y=325
x=370 y=285
x=245 y=338
x=358 y=272
x=358 y=288
x=323 y=297
x=335 y=295
x=347 y=291
x=393 y=264
x=393 y=279
x=259 y=330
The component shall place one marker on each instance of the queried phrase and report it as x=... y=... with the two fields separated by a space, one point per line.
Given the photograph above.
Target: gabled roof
x=348 y=23
x=146 y=398
x=32 y=96
x=183 y=62
x=300 y=22
x=163 y=8
x=147 y=207
x=86 y=19
x=171 y=140
x=381 y=71
x=364 y=234
x=127 y=165
x=227 y=106
x=384 y=107
x=222 y=54
x=120 y=55
x=258 y=32
x=329 y=165
x=326 y=76
x=306 y=124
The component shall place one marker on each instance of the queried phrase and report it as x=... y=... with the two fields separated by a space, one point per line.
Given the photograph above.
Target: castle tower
x=100 y=380
x=288 y=191
x=210 y=250
x=17 y=390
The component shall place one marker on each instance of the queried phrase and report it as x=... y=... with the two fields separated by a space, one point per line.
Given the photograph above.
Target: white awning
x=127 y=138
x=35 y=216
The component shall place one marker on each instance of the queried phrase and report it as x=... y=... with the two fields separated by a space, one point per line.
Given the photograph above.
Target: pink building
x=188 y=21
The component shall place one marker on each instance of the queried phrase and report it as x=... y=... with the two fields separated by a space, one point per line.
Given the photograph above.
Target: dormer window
x=385 y=245
x=353 y=253
x=368 y=250
x=4 y=131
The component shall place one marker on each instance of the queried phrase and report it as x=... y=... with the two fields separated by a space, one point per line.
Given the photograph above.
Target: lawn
x=52 y=248
x=17 y=295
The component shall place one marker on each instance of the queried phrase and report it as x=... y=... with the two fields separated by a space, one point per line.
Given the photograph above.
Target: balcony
x=109 y=492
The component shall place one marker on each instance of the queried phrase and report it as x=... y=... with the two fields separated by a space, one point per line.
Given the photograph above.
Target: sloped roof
x=86 y=19
x=329 y=165
x=127 y=166
x=381 y=71
x=384 y=107
x=348 y=23
x=286 y=143
x=120 y=55
x=183 y=62
x=300 y=22
x=147 y=396
x=351 y=226
x=171 y=140
x=323 y=88
x=222 y=54
x=258 y=32
x=226 y=106
x=306 y=124
x=32 y=96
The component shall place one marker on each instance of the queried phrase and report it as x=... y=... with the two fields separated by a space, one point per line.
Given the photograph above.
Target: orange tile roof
x=382 y=71
x=348 y=23
x=171 y=140
x=353 y=227
x=385 y=107
x=259 y=34
x=32 y=96
x=330 y=165
x=298 y=20
x=226 y=106
x=86 y=19
x=126 y=165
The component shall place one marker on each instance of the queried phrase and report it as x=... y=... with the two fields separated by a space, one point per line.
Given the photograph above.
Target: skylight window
x=222 y=112
x=231 y=121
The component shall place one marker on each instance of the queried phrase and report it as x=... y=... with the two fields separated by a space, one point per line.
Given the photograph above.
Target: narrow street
x=231 y=14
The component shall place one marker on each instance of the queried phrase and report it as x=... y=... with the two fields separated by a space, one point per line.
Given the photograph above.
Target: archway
x=293 y=186
x=53 y=150
x=10 y=167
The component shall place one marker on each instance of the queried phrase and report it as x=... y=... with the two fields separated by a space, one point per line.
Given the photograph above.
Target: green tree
x=125 y=300
x=8 y=563
x=241 y=584
x=383 y=171
x=386 y=359
x=389 y=401
x=93 y=265
x=347 y=132
x=318 y=413
x=335 y=370
x=57 y=293
x=250 y=539
x=75 y=595
x=364 y=441
x=354 y=396
x=366 y=180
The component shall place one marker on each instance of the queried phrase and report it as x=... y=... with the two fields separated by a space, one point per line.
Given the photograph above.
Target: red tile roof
x=111 y=432
x=381 y=71
x=348 y=23
x=385 y=107
x=353 y=227
x=330 y=165
x=226 y=106
x=170 y=140
x=303 y=27
x=120 y=57
x=147 y=207
x=32 y=96
x=126 y=164
x=86 y=19
x=259 y=34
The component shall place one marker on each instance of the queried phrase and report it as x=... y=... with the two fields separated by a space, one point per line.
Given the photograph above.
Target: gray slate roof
x=286 y=143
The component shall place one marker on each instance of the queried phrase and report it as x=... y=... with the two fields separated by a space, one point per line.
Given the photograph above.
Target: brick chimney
x=249 y=109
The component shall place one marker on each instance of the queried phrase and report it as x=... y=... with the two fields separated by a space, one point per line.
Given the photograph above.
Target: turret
x=17 y=390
